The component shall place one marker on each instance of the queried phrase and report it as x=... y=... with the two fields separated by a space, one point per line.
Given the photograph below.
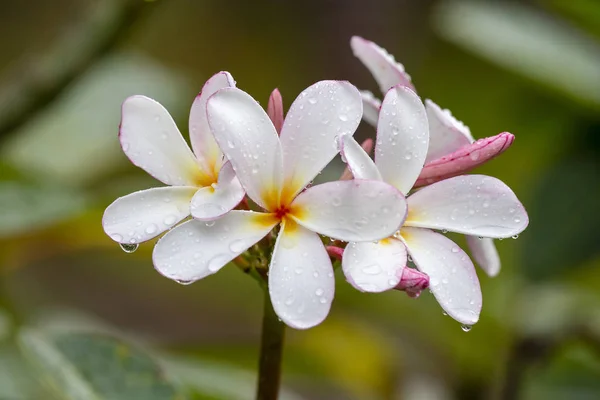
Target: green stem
x=271 y=351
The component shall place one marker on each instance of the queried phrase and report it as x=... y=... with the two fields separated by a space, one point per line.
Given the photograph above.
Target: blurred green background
x=80 y=319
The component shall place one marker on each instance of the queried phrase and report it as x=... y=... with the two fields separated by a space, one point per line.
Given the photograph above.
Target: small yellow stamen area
x=385 y=242
x=263 y=220
x=201 y=179
x=410 y=216
x=289 y=225
x=402 y=234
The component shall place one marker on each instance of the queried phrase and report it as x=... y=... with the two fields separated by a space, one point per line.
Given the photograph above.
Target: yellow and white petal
x=374 y=266
x=402 y=138
x=301 y=282
x=475 y=205
x=212 y=202
x=196 y=249
x=446 y=133
x=485 y=254
x=359 y=162
x=203 y=142
x=320 y=114
x=248 y=139
x=143 y=215
x=352 y=211
x=151 y=140
x=386 y=71
x=452 y=277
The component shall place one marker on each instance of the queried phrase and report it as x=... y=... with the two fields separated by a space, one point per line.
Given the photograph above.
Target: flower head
x=274 y=171
x=200 y=182
x=474 y=205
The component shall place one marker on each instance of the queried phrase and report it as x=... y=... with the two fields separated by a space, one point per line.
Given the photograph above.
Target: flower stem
x=271 y=351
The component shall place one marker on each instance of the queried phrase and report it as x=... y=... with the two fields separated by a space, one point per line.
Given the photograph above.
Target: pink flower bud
x=413 y=282
x=275 y=109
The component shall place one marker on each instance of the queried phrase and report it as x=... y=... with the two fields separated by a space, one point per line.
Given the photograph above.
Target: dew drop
x=151 y=229
x=128 y=248
x=116 y=237
x=372 y=269
x=170 y=220
x=466 y=328
x=319 y=292
x=184 y=282
x=455 y=249
x=343 y=117
x=515 y=237
x=312 y=100
x=237 y=246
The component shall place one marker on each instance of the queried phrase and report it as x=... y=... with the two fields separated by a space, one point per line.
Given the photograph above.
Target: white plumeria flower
x=200 y=182
x=452 y=149
x=274 y=171
x=471 y=204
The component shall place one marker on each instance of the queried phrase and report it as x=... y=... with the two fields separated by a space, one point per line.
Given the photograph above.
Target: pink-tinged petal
x=371 y=106
x=367 y=146
x=275 y=110
x=249 y=140
x=151 y=140
x=212 y=202
x=301 y=281
x=475 y=205
x=143 y=215
x=335 y=252
x=374 y=266
x=359 y=162
x=352 y=211
x=446 y=133
x=384 y=68
x=485 y=254
x=452 y=276
x=402 y=138
x=196 y=249
x=413 y=282
x=318 y=117
x=201 y=137
x=465 y=159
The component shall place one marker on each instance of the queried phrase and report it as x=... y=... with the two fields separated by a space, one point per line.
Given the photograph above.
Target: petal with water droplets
x=446 y=133
x=143 y=215
x=151 y=140
x=374 y=267
x=359 y=162
x=386 y=71
x=301 y=281
x=371 y=106
x=452 y=277
x=203 y=142
x=248 y=138
x=212 y=202
x=352 y=211
x=485 y=254
x=196 y=249
x=402 y=138
x=475 y=205
x=318 y=117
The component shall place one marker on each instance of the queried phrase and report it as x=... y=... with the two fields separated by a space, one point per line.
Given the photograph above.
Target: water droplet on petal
x=372 y=269
x=515 y=237
x=129 y=248
x=184 y=282
x=151 y=229
x=466 y=328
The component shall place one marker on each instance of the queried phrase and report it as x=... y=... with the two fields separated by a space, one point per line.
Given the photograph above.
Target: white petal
x=374 y=267
x=359 y=162
x=475 y=205
x=151 y=140
x=446 y=133
x=452 y=277
x=317 y=118
x=371 y=106
x=249 y=140
x=301 y=281
x=402 y=138
x=143 y=215
x=203 y=142
x=352 y=211
x=386 y=71
x=212 y=202
x=485 y=254
x=196 y=249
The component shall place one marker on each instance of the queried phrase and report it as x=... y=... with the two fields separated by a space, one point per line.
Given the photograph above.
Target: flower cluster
x=247 y=185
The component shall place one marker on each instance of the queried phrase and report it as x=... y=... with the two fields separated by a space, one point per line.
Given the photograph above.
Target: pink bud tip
x=465 y=158
x=275 y=110
x=413 y=282
x=335 y=252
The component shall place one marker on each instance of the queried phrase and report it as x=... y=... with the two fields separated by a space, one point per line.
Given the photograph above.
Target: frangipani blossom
x=452 y=150
x=474 y=205
x=200 y=182
x=274 y=170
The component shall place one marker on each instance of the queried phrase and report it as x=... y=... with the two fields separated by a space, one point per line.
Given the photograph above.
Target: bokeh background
x=76 y=312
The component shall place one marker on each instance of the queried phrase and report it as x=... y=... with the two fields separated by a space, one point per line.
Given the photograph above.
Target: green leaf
x=80 y=366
